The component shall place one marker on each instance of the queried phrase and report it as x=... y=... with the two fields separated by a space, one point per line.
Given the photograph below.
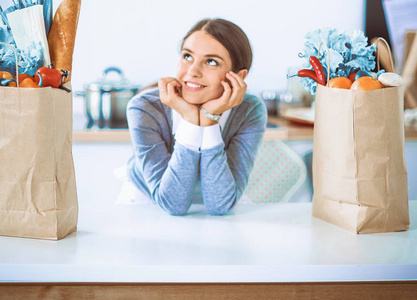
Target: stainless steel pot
x=106 y=100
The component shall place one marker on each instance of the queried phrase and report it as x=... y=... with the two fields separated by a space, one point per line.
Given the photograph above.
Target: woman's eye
x=212 y=62
x=187 y=56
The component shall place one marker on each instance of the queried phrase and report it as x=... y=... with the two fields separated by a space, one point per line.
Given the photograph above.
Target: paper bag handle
x=17 y=61
x=328 y=61
x=389 y=53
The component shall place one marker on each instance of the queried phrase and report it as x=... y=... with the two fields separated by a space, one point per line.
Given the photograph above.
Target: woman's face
x=203 y=65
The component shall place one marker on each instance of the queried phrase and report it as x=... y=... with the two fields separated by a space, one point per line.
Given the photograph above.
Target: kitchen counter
x=258 y=252
x=254 y=243
x=278 y=128
x=284 y=130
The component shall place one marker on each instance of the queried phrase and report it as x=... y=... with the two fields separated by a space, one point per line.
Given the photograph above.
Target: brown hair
x=231 y=37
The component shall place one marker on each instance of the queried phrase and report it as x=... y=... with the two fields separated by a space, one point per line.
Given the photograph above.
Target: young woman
x=196 y=136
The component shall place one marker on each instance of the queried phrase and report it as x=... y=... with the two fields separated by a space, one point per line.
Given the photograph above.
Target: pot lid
x=109 y=84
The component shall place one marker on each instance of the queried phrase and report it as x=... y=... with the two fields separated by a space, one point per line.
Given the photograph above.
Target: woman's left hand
x=232 y=95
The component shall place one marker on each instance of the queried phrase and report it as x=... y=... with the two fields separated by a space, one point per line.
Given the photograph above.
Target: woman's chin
x=193 y=100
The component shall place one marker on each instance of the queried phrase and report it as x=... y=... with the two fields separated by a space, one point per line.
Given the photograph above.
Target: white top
x=197 y=137
x=255 y=243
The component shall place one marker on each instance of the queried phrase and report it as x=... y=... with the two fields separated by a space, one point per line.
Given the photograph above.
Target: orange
x=7 y=75
x=12 y=84
x=366 y=83
x=340 y=83
x=28 y=83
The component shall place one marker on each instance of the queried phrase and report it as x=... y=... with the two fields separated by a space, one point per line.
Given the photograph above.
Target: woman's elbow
x=179 y=209
x=219 y=210
x=176 y=206
x=220 y=205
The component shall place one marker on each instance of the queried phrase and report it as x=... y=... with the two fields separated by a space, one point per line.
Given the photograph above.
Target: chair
x=277 y=174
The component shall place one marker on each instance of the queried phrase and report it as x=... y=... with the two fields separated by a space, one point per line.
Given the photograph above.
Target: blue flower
x=29 y=60
x=349 y=53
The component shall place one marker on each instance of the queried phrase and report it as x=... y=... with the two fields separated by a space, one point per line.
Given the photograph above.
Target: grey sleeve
x=169 y=178
x=225 y=172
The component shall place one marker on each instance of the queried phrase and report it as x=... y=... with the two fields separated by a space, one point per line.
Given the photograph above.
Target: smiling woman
x=196 y=136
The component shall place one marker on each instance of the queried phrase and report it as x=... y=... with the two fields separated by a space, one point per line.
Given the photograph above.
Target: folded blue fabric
x=29 y=59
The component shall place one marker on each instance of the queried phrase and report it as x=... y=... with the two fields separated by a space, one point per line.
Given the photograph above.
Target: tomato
x=50 y=77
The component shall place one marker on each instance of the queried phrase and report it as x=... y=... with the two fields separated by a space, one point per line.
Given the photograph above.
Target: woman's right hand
x=169 y=92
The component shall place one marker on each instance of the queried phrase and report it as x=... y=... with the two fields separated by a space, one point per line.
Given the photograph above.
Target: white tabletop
x=254 y=243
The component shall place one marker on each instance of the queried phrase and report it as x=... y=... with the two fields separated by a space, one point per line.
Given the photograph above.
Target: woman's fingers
x=171 y=88
x=235 y=86
x=239 y=79
x=227 y=90
x=163 y=84
x=165 y=91
x=233 y=80
x=171 y=96
x=238 y=87
x=227 y=94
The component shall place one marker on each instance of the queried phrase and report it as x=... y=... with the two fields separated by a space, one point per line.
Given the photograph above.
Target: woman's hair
x=231 y=37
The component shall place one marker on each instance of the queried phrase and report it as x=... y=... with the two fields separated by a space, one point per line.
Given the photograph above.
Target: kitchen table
x=255 y=251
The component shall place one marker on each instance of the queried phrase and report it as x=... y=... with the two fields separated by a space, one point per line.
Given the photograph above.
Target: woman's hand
x=232 y=96
x=169 y=92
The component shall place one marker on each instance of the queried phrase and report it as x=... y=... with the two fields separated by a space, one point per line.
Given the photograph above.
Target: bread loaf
x=61 y=38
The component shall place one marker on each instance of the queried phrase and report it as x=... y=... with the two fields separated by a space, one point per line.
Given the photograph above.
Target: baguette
x=61 y=38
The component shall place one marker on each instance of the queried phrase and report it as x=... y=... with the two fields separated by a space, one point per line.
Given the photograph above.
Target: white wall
x=143 y=37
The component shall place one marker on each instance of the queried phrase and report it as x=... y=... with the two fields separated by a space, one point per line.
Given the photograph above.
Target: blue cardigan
x=172 y=174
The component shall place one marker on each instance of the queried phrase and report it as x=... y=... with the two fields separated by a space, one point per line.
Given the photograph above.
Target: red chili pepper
x=318 y=68
x=352 y=76
x=50 y=77
x=307 y=73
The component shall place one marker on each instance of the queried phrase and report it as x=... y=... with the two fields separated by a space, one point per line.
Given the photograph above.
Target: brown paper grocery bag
x=38 y=197
x=359 y=171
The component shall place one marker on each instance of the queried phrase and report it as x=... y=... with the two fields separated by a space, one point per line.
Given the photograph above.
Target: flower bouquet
x=341 y=60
